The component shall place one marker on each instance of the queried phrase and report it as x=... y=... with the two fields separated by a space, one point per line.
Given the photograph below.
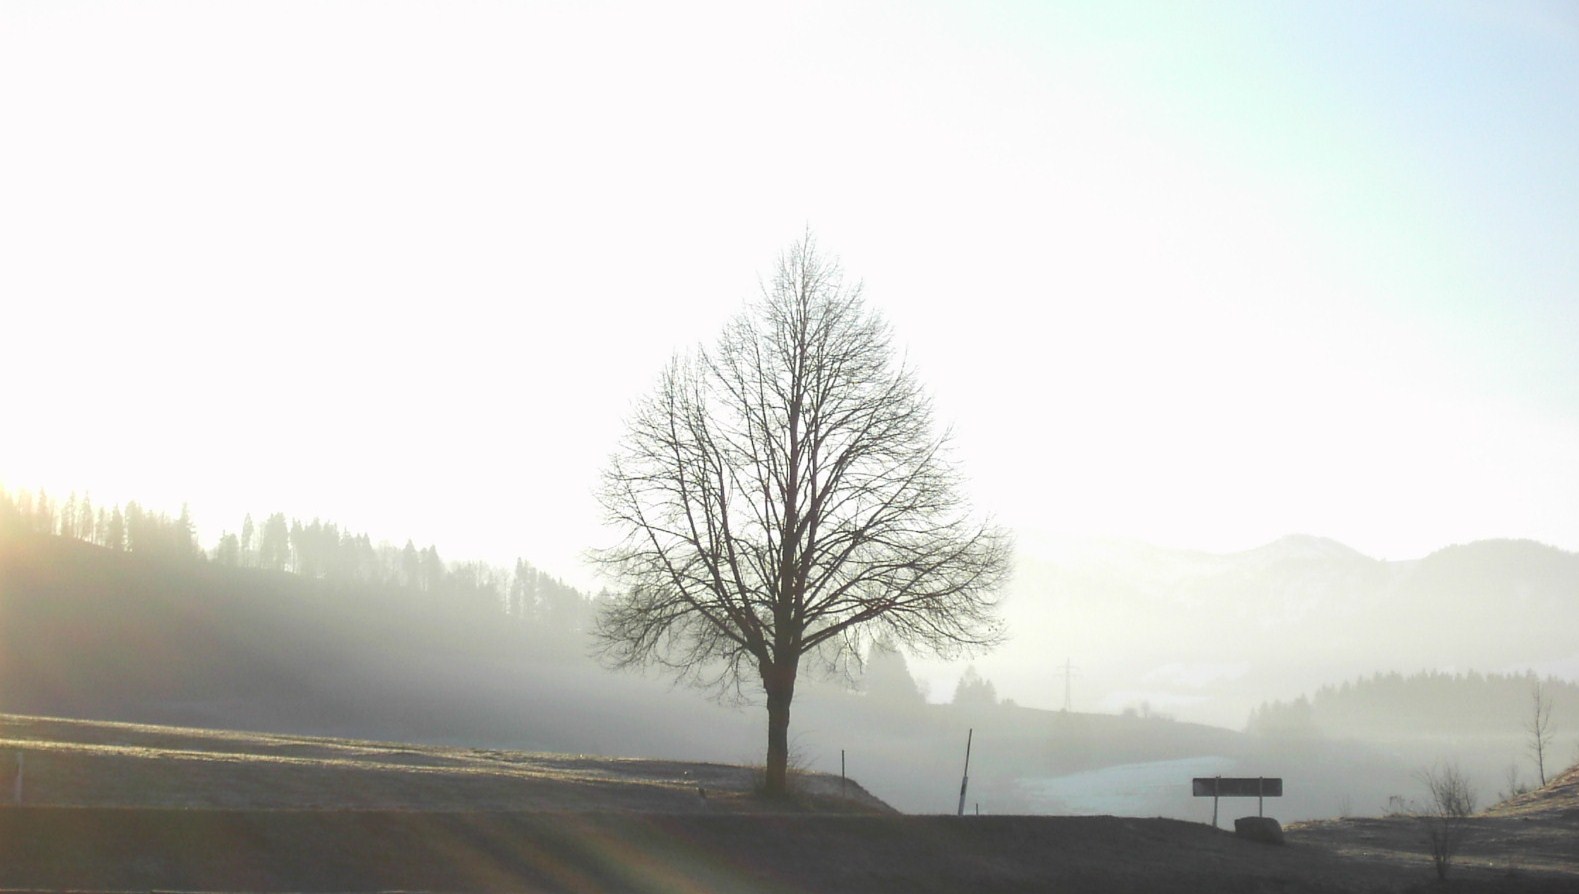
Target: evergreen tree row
x=132 y=529
x=1428 y=702
x=316 y=550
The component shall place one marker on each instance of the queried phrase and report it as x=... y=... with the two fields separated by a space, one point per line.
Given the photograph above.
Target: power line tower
x=1069 y=674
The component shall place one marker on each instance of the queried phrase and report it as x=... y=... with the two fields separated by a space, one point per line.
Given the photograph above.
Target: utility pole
x=1069 y=673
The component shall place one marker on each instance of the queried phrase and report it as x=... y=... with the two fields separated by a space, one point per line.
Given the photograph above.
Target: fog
x=1207 y=637
x=1199 y=278
x=1338 y=703
x=1254 y=326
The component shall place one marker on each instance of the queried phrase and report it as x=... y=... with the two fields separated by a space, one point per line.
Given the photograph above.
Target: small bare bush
x=1446 y=813
x=1516 y=786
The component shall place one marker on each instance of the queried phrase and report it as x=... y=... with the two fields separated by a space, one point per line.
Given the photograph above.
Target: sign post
x=1258 y=787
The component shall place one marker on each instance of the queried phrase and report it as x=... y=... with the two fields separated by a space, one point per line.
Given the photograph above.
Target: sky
x=1199 y=274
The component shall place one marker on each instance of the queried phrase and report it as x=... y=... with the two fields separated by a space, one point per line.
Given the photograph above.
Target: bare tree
x=1447 y=814
x=784 y=496
x=1540 y=728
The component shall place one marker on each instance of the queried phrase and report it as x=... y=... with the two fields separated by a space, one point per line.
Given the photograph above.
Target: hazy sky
x=1203 y=274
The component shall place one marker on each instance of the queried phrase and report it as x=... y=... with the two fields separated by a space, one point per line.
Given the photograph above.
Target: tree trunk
x=779 y=682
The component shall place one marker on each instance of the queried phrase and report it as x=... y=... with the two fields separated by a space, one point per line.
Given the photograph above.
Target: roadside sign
x=1238 y=787
x=1258 y=787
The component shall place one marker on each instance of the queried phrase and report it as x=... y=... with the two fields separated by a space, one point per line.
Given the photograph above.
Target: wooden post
x=965 y=780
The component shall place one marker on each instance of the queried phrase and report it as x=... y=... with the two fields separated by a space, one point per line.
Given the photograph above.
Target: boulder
x=1259 y=828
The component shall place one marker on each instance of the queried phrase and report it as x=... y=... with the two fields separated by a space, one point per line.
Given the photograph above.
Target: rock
x=1259 y=828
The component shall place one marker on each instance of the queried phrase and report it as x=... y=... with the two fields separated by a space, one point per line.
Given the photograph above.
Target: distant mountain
x=1302 y=547
x=1209 y=635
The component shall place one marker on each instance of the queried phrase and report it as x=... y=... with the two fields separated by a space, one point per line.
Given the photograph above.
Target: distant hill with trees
x=1428 y=703
x=317 y=551
x=1210 y=635
x=304 y=628
x=312 y=629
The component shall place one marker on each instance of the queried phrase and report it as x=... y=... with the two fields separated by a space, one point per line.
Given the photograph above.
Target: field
x=134 y=807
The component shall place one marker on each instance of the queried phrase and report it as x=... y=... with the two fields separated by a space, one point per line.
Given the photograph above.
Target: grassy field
x=134 y=807
x=72 y=763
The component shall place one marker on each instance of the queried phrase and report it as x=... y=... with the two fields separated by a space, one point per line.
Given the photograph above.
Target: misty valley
x=1360 y=674
x=1175 y=492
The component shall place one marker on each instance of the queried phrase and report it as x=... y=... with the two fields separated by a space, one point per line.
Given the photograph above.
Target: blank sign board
x=1238 y=787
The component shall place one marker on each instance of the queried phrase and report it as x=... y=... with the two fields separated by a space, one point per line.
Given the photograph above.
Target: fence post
x=965 y=779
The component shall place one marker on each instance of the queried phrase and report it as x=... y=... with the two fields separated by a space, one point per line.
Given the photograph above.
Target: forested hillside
x=309 y=629
x=1420 y=704
x=316 y=551
x=149 y=628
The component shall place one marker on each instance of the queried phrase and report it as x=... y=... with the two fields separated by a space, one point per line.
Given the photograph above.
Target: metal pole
x=1217 y=787
x=965 y=780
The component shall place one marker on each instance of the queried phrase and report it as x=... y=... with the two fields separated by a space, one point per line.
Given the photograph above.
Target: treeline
x=1428 y=702
x=129 y=529
x=317 y=550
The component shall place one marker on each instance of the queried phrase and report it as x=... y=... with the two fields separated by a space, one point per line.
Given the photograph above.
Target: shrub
x=1446 y=813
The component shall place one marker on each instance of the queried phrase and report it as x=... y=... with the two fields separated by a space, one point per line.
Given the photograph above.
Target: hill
x=75 y=763
x=1516 y=845
x=1208 y=636
x=96 y=633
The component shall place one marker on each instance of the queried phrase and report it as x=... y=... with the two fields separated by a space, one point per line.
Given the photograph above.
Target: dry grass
x=1529 y=840
x=82 y=764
